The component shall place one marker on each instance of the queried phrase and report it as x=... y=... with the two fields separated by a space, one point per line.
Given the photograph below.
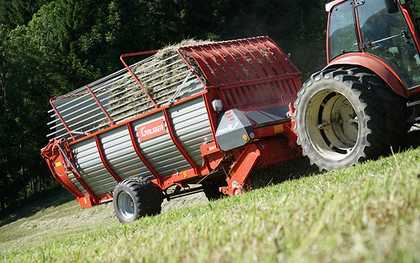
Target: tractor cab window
x=386 y=35
x=414 y=7
x=342 y=35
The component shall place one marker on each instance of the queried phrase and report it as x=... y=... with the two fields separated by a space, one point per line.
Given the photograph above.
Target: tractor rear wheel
x=347 y=115
x=136 y=197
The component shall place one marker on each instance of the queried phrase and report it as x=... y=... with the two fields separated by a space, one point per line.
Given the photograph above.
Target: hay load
x=165 y=77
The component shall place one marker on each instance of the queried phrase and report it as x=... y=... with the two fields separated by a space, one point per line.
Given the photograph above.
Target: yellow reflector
x=278 y=129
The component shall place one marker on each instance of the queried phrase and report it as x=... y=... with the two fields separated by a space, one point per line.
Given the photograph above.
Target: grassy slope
x=368 y=212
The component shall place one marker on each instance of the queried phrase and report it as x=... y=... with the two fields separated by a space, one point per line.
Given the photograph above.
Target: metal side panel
x=121 y=155
x=160 y=151
x=192 y=126
x=91 y=168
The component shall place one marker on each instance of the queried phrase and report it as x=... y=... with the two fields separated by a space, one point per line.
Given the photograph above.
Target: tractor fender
x=376 y=65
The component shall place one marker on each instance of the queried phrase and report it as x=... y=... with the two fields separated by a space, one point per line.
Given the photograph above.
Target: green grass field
x=370 y=212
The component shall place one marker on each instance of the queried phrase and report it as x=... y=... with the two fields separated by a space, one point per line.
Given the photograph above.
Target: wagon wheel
x=136 y=197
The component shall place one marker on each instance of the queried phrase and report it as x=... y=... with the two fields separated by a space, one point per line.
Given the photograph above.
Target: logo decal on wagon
x=151 y=130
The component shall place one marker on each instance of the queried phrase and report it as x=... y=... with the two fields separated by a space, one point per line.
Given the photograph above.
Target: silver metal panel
x=121 y=155
x=192 y=126
x=232 y=128
x=161 y=151
x=91 y=168
x=167 y=79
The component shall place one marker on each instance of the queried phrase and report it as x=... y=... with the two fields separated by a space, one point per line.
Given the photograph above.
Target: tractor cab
x=386 y=29
x=414 y=11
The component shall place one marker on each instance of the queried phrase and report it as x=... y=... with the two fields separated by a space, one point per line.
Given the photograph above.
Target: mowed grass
x=370 y=212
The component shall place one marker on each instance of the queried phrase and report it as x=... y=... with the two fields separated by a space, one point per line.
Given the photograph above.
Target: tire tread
x=385 y=126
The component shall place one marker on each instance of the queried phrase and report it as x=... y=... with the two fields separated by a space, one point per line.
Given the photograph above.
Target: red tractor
x=367 y=98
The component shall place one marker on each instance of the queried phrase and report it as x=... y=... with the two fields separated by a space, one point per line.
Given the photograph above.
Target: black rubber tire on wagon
x=347 y=115
x=136 y=197
x=211 y=187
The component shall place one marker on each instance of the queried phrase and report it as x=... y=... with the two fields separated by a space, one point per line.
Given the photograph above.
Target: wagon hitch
x=240 y=171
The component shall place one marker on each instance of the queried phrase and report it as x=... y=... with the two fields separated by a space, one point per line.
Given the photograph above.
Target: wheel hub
x=332 y=124
x=125 y=205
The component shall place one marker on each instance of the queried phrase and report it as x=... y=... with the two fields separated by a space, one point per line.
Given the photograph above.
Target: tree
x=49 y=47
x=18 y=12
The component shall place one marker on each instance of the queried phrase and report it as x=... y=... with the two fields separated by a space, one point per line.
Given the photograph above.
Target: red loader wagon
x=207 y=114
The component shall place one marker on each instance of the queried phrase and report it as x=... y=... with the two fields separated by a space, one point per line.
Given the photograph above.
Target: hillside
x=368 y=212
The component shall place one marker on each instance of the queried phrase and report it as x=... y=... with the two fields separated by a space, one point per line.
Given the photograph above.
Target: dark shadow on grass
x=282 y=172
x=412 y=140
x=36 y=203
x=301 y=167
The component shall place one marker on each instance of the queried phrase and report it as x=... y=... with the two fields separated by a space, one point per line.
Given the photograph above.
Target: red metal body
x=105 y=161
x=376 y=65
x=175 y=140
x=98 y=103
x=370 y=61
x=246 y=74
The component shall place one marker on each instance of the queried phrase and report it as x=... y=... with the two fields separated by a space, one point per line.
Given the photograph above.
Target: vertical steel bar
x=72 y=189
x=104 y=161
x=210 y=113
x=191 y=67
x=98 y=103
x=175 y=140
x=139 y=153
x=57 y=113
x=136 y=79
x=201 y=62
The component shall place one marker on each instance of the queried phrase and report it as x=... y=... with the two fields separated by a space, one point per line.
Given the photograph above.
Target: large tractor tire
x=347 y=115
x=136 y=197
